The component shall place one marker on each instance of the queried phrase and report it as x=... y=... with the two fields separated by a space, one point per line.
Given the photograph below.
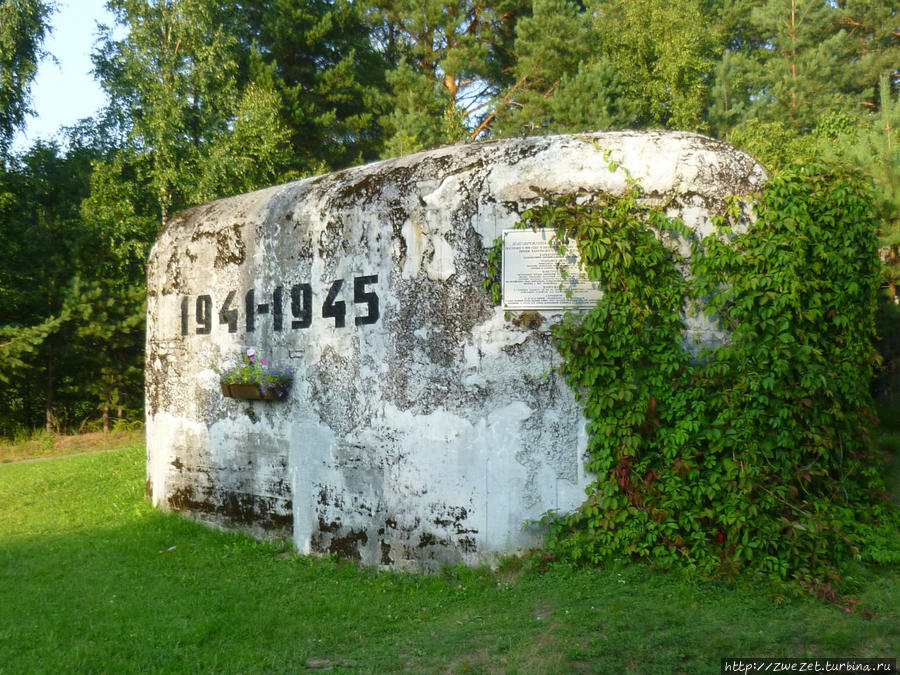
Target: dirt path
x=68 y=446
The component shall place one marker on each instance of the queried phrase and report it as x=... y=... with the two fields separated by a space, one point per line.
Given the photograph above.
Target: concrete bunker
x=423 y=427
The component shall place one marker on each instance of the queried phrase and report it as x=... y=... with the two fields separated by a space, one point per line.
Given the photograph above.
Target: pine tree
x=551 y=46
x=665 y=54
x=797 y=60
x=108 y=336
x=877 y=151
x=609 y=64
x=328 y=73
x=449 y=60
x=43 y=242
x=872 y=31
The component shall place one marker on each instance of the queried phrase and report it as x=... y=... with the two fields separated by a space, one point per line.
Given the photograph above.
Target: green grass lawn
x=90 y=582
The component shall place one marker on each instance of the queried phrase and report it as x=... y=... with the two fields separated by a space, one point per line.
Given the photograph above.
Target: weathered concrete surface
x=426 y=428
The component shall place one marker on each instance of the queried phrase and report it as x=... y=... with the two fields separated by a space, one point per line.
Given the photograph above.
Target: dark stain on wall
x=239 y=509
x=230 y=247
x=346 y=547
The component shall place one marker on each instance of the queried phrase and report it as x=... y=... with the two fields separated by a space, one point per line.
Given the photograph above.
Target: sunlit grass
x=90 y=582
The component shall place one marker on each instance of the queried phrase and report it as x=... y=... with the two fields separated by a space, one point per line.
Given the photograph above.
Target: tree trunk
x=49 y=417
x=893 y=263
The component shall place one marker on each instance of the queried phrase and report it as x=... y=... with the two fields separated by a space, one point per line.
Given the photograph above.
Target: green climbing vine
x=755 y=455
x=492 y=282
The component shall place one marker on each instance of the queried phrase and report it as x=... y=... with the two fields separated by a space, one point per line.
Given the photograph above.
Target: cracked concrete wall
x=423 y=427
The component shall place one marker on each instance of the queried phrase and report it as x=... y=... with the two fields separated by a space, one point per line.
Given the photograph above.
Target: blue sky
x=66 y=92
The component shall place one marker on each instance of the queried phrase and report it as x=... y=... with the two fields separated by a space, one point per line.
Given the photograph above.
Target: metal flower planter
x=255 y=391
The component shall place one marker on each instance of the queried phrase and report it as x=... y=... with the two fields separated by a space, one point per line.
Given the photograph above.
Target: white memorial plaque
x=532 y=277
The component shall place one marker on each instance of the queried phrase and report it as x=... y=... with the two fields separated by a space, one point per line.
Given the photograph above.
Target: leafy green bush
x=756 y=456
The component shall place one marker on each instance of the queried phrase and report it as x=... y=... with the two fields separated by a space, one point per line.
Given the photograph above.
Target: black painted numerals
x=362 y=296
x=204 y=315
x=301 y=306
x=229 y=315
x=300 y=297
x=335 y=310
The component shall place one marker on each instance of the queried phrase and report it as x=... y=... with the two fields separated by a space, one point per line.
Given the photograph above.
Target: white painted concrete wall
x=433 y=434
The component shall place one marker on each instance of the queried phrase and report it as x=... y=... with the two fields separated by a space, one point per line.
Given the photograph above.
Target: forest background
x=209 y=99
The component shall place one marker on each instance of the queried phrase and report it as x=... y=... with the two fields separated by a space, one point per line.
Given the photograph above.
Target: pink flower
x=263 y=362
